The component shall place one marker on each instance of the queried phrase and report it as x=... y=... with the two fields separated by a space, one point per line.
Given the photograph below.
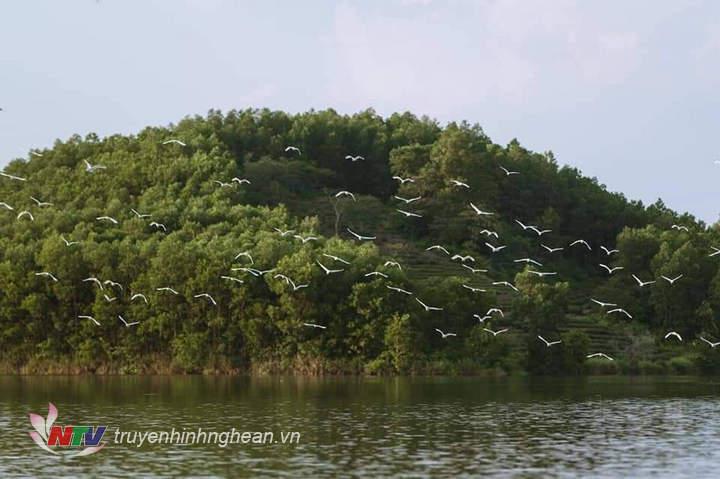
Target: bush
x=190 y=351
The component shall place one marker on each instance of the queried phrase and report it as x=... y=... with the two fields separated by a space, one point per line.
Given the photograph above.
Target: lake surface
x=406 y=427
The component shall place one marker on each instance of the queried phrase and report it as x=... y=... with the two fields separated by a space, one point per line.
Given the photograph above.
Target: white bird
x=583 y=242
x=393 y=264
x=474 y=270
x=241 y=181
x=305 y=239
x=247 y=255
x=345 y=193
x=551 y=250
x=231 y=278
x=621 y=311
x=495 y=333
x=12 y=177
x=207 y=296
x=403 y=180
x=527 y=261
x=168 y=288
x=90 y=167
x=460 y=183
x=479 y=211
x=68 y=243
x=177 y=142
x=90 y=318
x=293 y=148
x=712 y=345
x=495 y=310
x=445 y=335
x=290 y=282
x=47 y=275
x=495 y=249
x=463 y=258
x=252 y=271
x=159 y=226
x=505 y=283
x=599 y=355
x=113 y=284
x=140 y=215
x=360 y=237
x=539 y=231
x=94 y=280
x=354 y=158
x=428 y=308
x=716 y=251
x=26 y=213
x=523 y=226
x=482 y=319
x=641 y=283
x=139 y=295
x=438 y=247
x=408 y=214
x=474 y=290
x=6 y=206
x=601 y=303
x=508 y=172
x=490 y=233
x=108 y=298
x=40 y=203
x=336 y=258
x=107 y=218
x=671 y=280
x=609 y=269
x=609 y=251
x=327 y=270
x=285 y=232
x=313 y=325
x=222 y=184
x=376 y=273
x=407 y=200
x=675 y=334
x=542 y=273
x=399 y=290
x=680 y=228
x=33 y=152
x=548 y=343
x=127 y=325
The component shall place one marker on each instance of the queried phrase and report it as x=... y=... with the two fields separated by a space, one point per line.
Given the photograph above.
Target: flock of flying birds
x=332 y=264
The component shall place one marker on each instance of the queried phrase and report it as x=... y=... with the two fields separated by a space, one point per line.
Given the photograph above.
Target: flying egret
x=460 y=183
x=206 y=296
x=508 y=172
x=462 y=258
x=671 y=280
x=68 y=243
x=428 y=308
x=621 y=311
x=376 y=273
x=495 y=249
x=174 y=141
x=473 y=289
x=480 y=212
x=527 y=261
x=245 y=254
x=12 y=177
x=408 y=214
x=490 y=233
x=551 y=250
x=313 y=325
x=438 y=247
x=599 y=355
x=25 y=213
x=712 y=345
x=673 y=334
x=393 y=264
x=601 y=303
x=94 y=280
x=548 y=343
x=399 y=290
x=327 y=270
x=354 y=158
x=360 y=237
x=445 y=335
x=140 y=215
x=107 y=218
x=6 y=206
x=232 y=278
x=336 y=258
x=90 y=318
x=581 y=242
x=680 y=228
x=47 y=275
x=506 y=283
x=345 y=193
x=482 y=319
x=609 y=269
x=609 y=251
x=293 y=148
x=305 y=239
x=159 y=226
x=474 y=270
x=284 y=232
x=403 y=180
x=40 y=203
x=139 y=296
x=168 y=289
x=407 y=200
x=127 y=325
x=495 y=333
x=641 y=283
x=90 y=168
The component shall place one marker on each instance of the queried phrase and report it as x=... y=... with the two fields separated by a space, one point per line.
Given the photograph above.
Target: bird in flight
x=680 y=228
x=600 y=355
x=206 y=296
x=284 y=232
x=360 y=237
x=245 y=254
x=327 y=270
x=113 y=284
x=127 y=325
x=399 y=290
x=495 y=249
x=305 y=239
x=290 y=282
x=140 y=215
x=160 y=226
x=495 y=333
x=548 y=343
x=463 y=258
x=716 y=251
x=527 y=261
x=336 y=258
x=168 y=289
x=438 y=247
x=495 y=310
x=90 y=168
x=393 y=264
x=240 y=181
x=107 y=218
x=313 y=325
x=6 y=206
x=508 y=172
x=479 y=211
x=524 y=226
x=354 y=158
x=474 y=270
x=293 y=148
x=47 y=275
x=138 y=296
x=671 y=280
x=408 y=214
x=108 y=298
x=445 y=335
x=505 y=283
x=222 y=184
x=94 y=280
x=712 y=345
x=407 y=200
x=12 y=177
x=345 y=193
x=621 y=311
x=490 y=233
x=428 y=308
x=542 y=273
x=551 y=250
x=25 y=213
x=403 y=180
x=609 y=251
x=673 y=334
x=474 y=290
x=376 y=273
x=641 y=283
x=582 y=242
x=174 y=141
x=539 y=231
x=231 y=278
x=40 y=203
x=460 y=183
x=609 y=269
x=90 y=318
x=601 y=303
x=482 y=319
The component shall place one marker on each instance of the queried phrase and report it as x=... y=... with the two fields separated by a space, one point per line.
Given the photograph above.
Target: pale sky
x=625 y=91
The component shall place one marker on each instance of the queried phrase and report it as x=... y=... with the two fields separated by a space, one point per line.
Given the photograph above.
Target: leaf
x=38 y=422
x=52 y=415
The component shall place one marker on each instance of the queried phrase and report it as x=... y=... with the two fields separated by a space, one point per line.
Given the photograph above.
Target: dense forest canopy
x=224 y=318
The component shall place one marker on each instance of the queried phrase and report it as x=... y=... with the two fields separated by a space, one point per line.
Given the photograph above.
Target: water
x=405 y=427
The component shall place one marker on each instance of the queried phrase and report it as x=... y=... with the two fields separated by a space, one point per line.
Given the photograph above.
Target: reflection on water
x=433 y=427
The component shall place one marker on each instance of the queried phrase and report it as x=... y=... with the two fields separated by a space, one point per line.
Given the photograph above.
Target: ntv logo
x=47 y=435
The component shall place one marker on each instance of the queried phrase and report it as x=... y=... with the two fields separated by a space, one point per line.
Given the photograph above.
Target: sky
x=625 y=91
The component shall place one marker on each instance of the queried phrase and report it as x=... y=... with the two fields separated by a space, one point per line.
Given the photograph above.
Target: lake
x=367 y=427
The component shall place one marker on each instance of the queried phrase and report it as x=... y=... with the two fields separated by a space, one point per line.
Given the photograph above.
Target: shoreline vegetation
x=257 y=242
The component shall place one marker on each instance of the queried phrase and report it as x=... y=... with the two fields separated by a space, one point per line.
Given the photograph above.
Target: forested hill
x=226 y=244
